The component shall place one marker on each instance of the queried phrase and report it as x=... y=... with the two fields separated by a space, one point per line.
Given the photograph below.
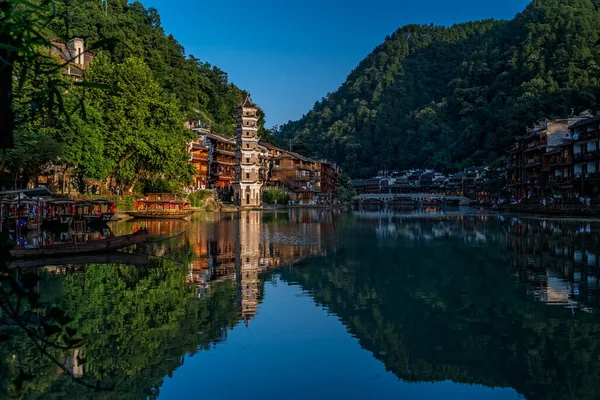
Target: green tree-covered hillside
x=449 y=97
x=122 y=121
x=202 y=90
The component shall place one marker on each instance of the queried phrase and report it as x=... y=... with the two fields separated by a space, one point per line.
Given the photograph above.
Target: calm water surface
x=306 y=304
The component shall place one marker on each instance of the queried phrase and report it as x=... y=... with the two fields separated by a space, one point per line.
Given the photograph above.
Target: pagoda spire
x=247 y=103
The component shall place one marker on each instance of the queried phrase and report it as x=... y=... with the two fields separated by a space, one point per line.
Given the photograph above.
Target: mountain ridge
x=450 y=97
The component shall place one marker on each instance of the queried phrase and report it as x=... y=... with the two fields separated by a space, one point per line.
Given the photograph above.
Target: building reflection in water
x=557 y=259
x=241 y=246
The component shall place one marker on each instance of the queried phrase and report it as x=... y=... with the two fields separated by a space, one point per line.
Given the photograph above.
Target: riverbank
x=122 y=215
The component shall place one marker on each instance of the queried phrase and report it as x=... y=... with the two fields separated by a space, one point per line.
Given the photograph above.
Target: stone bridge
x=384 y=199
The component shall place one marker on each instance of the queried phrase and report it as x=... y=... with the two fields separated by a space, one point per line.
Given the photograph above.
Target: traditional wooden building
x=221 y=161
x=558 y=161
x=586 y=155
x=330 y=177
x=555 y=157
x=298 y=174
x=525 y=167
x=365 y=186
x=199 y=154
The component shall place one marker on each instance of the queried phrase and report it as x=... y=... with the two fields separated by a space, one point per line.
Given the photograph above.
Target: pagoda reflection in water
x=241 y=246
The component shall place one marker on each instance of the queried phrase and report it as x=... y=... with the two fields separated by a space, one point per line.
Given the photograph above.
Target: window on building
x=247 y=176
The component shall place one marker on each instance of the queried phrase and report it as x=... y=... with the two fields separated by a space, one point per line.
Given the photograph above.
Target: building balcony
x=588 y=155
x=199 y=146
x=592 y=134
x=222 y=150
x=304 y=178
x=533 y=164
x=199 y=159
x=535 y=180
x=559 y=179
x=590 y=176
x=533 y=147
x=556 y=160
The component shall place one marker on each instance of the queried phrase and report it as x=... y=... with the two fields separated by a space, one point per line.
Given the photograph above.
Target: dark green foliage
x=138 y=324
x=441 y=310
x=274 y=196
x=201 y=90
x=133 y=129
x=346 y=194
x=452 y=97
x=197 y=198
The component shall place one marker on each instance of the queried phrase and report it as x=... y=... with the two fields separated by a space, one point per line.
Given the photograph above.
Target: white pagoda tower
x=247 y=188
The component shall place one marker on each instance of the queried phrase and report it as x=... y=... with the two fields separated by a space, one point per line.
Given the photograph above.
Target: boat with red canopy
x=161 y=206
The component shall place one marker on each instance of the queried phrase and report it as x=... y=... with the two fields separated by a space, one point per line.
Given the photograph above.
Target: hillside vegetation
x=450 y=97
x=124 y=125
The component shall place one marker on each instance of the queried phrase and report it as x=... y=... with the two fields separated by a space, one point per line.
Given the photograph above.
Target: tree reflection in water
x=502 y=302
x=451 y=298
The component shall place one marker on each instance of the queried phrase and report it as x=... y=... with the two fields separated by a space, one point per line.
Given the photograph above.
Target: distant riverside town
x=554 y=159
x=469 y=183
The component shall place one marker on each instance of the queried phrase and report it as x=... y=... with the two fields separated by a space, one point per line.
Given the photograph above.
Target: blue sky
x=289 y=54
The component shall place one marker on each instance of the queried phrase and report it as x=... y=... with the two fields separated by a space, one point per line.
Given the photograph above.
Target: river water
x=314 y=303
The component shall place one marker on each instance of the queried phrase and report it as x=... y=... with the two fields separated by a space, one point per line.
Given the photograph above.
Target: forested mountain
x=450 y=97
x=202 y=90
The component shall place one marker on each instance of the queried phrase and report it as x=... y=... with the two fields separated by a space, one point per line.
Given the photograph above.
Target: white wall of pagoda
x=247 y=187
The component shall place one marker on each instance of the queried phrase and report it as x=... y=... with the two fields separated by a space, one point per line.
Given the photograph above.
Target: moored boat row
x=34 y=213
x=64 y=227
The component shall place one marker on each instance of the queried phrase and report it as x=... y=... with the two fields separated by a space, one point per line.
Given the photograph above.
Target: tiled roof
x=586 y=121
x=220 y=137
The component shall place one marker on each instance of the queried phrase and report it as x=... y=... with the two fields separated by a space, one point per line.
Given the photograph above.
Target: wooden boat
x=59 y=213
x=92 y=246
x=161 y=209
x=27 y=213
x=99 y=211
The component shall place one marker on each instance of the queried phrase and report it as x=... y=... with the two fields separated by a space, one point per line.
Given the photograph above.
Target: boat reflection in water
x=472 y=305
